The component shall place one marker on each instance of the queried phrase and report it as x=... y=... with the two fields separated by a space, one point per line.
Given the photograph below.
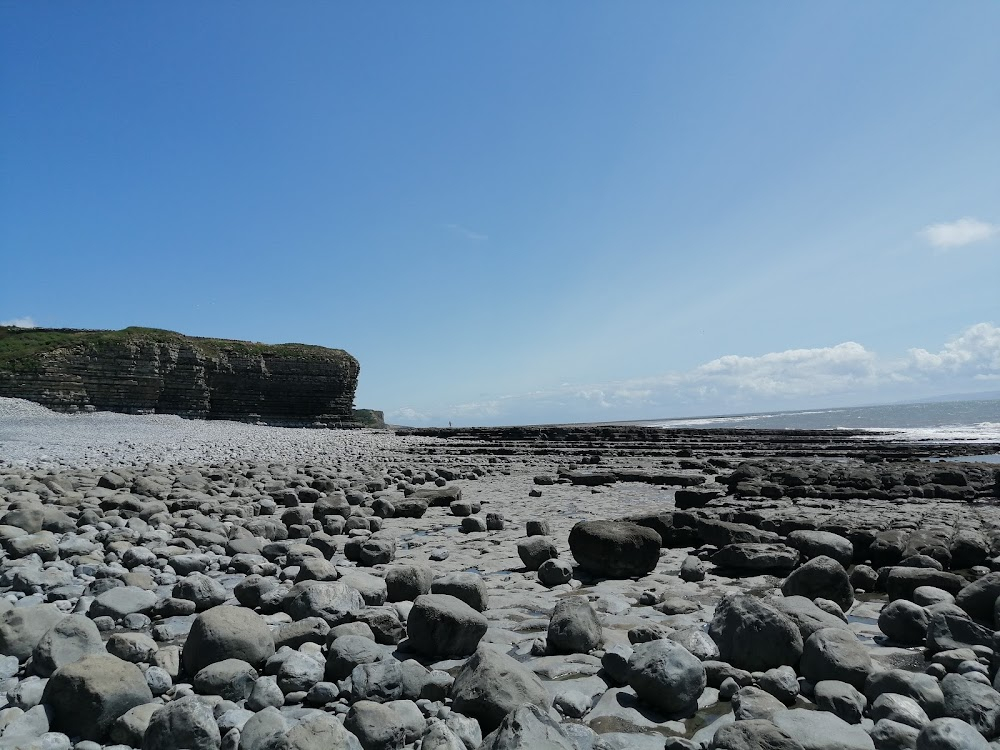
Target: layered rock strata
x=147 y=371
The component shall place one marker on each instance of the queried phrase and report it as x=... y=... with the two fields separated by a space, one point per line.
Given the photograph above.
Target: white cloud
x=846 y=373
x=467 y=233
x=408 y=414
x=25 y=322
x=959 y=233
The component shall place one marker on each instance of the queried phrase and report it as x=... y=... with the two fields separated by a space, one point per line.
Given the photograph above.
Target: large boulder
x=528 y=728
x=904 y=622
x=187 y=722
x=950 y=734
x=227 y=632
x=21 y=628
x=69 y=640
x=835 y=654
x=754 y=636
x=615 y=549
x=491 y=685
x=439 y=625
x=574 y=627
x=752 y=734
x=973 y=702
x=88 y=695
x=335 y=602
x=822 y=577
x=819 y=730
x=923 y=688
x=980 y=596
x=667 y=676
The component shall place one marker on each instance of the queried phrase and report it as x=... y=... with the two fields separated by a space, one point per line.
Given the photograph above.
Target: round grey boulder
x=950 y=734
x=812 y=544
x=88 y=695
x=554 y=572
x=535 y=550
x=227 y=632
x=490 y=685
x=835 y=654
x=69 y=640
x=821 y=577
x=904 y=622
x=754 y=636
x=574 y=627
x=442 y=626
x=187 y=722
x=667 y=676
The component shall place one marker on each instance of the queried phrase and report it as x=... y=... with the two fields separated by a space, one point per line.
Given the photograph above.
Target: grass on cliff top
x=20 y=348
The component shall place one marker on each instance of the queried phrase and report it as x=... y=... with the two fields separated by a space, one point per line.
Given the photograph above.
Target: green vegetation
x=369 y=418
x=21 y=348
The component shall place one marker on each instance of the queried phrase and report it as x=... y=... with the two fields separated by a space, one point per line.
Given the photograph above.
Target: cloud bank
x=846 y=373
x=965 y=231
x=25 y=322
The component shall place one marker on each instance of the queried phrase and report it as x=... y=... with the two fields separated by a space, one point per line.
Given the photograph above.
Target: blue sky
x=521 y=212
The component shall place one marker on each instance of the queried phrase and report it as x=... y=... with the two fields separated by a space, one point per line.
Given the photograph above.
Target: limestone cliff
x=146 y=371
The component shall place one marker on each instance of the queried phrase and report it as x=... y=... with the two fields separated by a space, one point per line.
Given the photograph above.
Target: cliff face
x=144 y=371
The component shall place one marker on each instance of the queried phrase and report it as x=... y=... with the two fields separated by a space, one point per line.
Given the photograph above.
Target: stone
x=404 y=583
x=692 y=570
x=468 y=587
x=754 y=636
x=667 y=676
x=615 y=549
x=753 y=703
x=840 y=699
x=227 y=632
x=233 y=679
x=972 y=702
x=813 y=544
x=574 y=627
x=118 y=602
x=334 y=602
x=205 y=592
x=490 y=685
x=377 y=726
x=186 y=722
x=21 y=628
x=904 y=622
x=979 y=597
x=752 y=734
x=756 y=556
x=923 y=688
x=528 y=728
x=835 y=654
x=87 y=696
x=947 y=631
x=950 y=734
x=535 y=550
x=69 y=640
x=818 y=730
x=821 y=577
x=891 y=735
x=440 y=625
x=806 y=616
x=899 y=708
x=554 y=572
x=347 y=652
x=781 y=682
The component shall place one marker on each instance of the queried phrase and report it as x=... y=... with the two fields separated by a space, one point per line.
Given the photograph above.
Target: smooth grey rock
x=667 y=676
x=574 y=627
x=819 y=730
x=752 y=734
x=69 y=640
x=950 y=734
x=440 y=625
x=227 y=632
x=754 y=636
x=899 y=708
x=490 y=685
x=841 y=699
x=835 y=654
x=615 y=549
x=528 y=728
x=233 y=679
x=904 y=622
x=376 y=726
x=187 y=722
x=821 y=577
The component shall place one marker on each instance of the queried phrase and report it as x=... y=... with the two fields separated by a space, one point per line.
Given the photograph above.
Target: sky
x=521 y=212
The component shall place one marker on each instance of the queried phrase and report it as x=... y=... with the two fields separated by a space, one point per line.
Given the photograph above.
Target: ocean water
x=949 y=422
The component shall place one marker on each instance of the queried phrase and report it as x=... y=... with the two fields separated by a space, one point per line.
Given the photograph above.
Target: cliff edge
x=151 y=371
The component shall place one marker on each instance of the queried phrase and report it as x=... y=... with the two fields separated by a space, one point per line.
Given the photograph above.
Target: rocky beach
x=171 y=583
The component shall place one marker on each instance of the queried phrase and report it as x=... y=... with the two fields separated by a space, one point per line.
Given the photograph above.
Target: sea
x=942 y=422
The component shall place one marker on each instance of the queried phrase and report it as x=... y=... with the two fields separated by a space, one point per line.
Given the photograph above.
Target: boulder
x=21 y=628
x=535 y=550
x=69 y=640
x=950 y=734
x=186 y=722
x=752 y=734
x=227 y=632
x=667 y=676
x=972 y=702
x=468 y=587
x=819 y=730
x=904 y=622
x=822 y=543
x=754 y=636
x=88 y=695
x=821 y=577
x=835 y=654
x=528 y=728
x=574 y=627
x=756 y=556
x=441 y=626
x=490 y=685
x=615 y=549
